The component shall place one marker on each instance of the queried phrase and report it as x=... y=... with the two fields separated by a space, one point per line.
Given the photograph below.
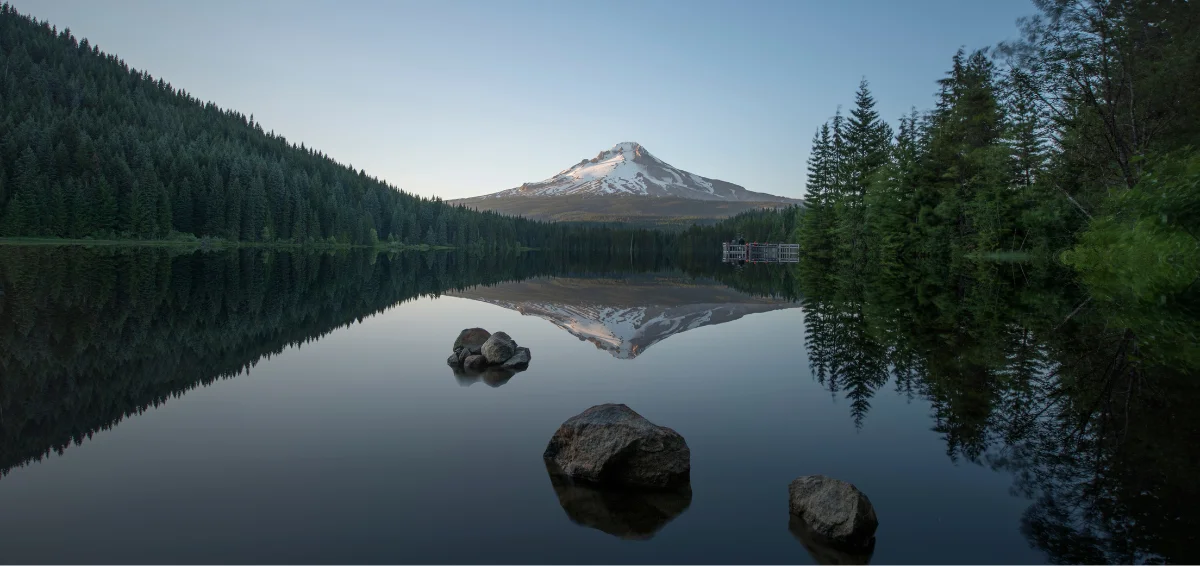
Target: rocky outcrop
x=494 y=358
x=629 y=514
x=834 y=510
x=613 y=445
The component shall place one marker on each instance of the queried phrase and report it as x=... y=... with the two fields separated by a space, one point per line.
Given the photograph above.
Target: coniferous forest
x=1076 y=144
x=90 y=148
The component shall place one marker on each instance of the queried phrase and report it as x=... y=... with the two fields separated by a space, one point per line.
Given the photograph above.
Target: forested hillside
x=92 y=148
x=1077 y=142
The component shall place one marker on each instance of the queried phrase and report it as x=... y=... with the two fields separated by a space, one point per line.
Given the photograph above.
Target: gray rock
x=519 y=360
x=636 y=514
x=471 y=337
x=611 y=444
x=498 y=348
x=465 y=351
x=454 y=359
x=475 y=362
x=833 y=509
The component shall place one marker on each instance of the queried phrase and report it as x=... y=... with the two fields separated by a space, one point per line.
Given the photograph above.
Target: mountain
x=624 y=317
x=625 y=182
x=629 y=169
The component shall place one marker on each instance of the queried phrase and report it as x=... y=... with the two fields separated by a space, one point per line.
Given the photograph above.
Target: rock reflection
x=826 y=552
x=493 y=376
x=625 y=513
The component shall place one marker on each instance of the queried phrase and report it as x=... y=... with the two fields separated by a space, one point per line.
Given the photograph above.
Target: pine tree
x=106 y=209
x=891 y=209
x=182 y=206
x=162 y=205
x=214 y=205
x=817 y=222
x=867 y=149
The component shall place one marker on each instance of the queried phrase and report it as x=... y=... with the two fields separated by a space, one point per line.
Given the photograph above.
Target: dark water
x=254 y=406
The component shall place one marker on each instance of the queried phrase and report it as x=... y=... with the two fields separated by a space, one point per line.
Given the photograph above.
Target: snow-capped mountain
x=628 y=169
x=624 y=317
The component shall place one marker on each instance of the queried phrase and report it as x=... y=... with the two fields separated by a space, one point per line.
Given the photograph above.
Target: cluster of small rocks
x=476 y=349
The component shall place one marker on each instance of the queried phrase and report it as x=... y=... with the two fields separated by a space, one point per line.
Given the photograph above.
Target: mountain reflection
x=625 y=316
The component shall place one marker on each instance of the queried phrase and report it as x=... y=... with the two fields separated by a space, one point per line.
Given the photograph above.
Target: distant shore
x=216 y=244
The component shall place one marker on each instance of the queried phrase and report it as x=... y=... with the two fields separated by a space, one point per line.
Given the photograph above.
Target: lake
x=251 y=406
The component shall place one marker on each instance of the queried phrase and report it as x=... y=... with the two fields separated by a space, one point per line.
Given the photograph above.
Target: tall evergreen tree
x=867 y=148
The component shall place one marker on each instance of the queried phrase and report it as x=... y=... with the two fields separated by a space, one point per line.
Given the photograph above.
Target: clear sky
x=459 y=98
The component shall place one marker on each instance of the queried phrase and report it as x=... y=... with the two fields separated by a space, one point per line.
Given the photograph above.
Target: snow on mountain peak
x=629 y=169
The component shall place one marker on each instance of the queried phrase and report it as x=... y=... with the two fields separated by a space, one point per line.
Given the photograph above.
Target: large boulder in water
x=611 y=444
x=833 y=509
x=625 y=513
x=471 y=337
x=498 y=348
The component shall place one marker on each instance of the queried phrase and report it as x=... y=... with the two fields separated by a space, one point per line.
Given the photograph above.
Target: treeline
x=1081 y=137
x=90 y=148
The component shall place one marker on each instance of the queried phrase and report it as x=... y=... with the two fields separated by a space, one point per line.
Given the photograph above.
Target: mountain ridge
x=624 y=183
x=628 y=168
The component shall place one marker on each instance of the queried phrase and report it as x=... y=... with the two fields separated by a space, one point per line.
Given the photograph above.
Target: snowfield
x=628 y=169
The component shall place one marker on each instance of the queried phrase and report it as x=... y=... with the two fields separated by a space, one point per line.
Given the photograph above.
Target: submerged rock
x=465 y=378
x=495 y=376
x=498 y=348
x=824 y=551
x=613 y=445
x=471 y=337
x=622 y=512
x=833 y=509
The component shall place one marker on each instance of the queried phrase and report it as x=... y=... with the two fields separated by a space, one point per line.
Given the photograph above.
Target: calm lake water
x=250 y=406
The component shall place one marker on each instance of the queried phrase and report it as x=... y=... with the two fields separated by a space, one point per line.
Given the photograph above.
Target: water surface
x=255 y=406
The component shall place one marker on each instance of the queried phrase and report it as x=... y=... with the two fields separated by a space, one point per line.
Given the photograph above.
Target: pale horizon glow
x=461 y=98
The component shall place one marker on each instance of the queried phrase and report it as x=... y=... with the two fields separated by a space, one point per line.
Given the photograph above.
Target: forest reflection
x=1090 y=406
x=91 y=336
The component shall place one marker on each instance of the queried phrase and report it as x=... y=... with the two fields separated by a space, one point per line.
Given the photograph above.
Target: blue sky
x=461 y=98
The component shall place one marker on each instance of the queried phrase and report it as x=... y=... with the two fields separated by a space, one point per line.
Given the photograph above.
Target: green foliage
x=1145 y=248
